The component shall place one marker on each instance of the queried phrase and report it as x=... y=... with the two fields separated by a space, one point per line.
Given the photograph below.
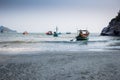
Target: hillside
x=6 y=30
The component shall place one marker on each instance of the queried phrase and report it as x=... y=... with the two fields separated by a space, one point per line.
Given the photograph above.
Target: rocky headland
x=113 y=29
x=6 y=30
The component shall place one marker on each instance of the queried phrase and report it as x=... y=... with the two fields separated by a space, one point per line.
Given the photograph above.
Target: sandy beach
x=69 y=65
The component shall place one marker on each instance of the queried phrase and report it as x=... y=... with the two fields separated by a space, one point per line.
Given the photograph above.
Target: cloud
x=61 y=3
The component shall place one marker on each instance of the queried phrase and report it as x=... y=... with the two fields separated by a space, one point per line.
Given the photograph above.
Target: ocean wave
x=40 y=42
x=88 y=41
x=21 y=49
x=19 y=42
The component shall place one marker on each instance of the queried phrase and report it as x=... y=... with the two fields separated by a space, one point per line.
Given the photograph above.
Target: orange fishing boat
x=83 y=35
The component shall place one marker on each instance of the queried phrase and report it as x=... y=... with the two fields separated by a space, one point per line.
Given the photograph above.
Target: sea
x=18 y=42
x=38 y=56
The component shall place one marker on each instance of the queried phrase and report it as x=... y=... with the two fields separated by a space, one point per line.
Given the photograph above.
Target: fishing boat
x=49 y=33
x=25 y=33
x=56 y=32
x=68 y=32
x=83 y=35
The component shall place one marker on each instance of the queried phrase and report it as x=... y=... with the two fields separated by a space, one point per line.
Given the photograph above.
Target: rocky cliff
x=6 y=30
x=113 y=29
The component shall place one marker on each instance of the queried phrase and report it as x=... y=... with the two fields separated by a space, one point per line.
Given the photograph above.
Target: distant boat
x=25 y=33
x=49 y=33
x=83 y=35
x=68 y=32
x=56 y=32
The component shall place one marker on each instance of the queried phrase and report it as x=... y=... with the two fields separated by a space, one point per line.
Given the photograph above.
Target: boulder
x=113 y=29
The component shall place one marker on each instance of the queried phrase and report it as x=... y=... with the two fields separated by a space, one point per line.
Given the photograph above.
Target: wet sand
x=84 y=65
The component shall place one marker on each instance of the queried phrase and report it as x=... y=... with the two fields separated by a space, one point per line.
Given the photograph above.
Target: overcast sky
x=67 y=15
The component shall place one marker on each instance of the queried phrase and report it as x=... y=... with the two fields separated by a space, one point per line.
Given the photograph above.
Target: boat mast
x=56 y=29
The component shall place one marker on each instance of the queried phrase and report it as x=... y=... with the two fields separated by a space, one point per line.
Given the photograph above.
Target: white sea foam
x=42 y=42
x=17 y=49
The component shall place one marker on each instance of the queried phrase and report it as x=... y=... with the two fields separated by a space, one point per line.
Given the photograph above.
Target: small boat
x=55 y=34
x=83 y=35
x=68 y=32
x=25 y=33
x=49 y=33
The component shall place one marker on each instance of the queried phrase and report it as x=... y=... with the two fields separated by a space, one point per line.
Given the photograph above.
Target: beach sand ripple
x=83 y=65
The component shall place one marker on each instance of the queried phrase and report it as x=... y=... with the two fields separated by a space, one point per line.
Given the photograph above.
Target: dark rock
x=113 y=29
x=6 y=30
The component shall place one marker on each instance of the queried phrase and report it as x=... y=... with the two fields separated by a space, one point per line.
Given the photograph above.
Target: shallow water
x=41 y=42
